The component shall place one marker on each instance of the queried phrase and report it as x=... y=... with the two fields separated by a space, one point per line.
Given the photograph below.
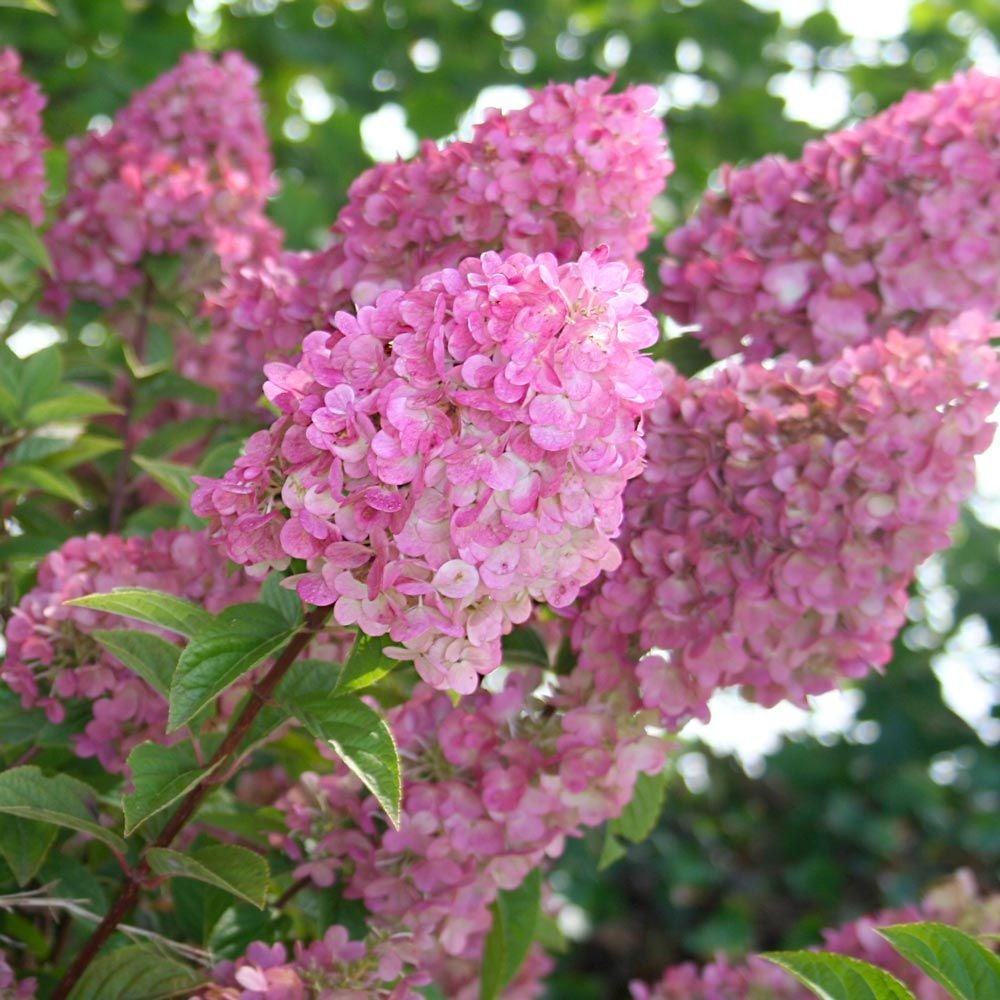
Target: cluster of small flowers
x=22 y=170
x=577 y=168
x=450 y=455
x=335 y=968
x=783 y=512
x=492 y=787
x=52 y=661
x=894 y=223
x=958 y=902
x=184 y=169
x=10 y=988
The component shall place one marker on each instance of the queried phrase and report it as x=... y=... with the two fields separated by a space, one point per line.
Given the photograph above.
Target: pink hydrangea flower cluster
x=22 y=170
x=783 y=512
x=51 y=660
x=334 y=968
x=10 y=988
x=492 y=788
x=450 y=455
x=576 y=169
x=184 y=169
x=893 y=223
x=955 y=903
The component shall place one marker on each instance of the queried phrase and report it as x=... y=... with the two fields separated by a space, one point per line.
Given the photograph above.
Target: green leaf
x=174 y=478
x=366 y=663
x=235 y=869
x=161 y=775
x=135 y=972
x=40 y=6
x=40 y=375
x=73 y=405
x=28 y=793
x=164 y=610
x=515 y=919
x=150 y=656
x=838 y=977
x=961 y=964
x=361 y=738
x=35 y=478
x=239 y=639
x=286 y=602
x=85 y=448
x=15 y=230
x=24 y=845
x=524 y=645
x=612 y=849
x=639 y=817
x=173 y=436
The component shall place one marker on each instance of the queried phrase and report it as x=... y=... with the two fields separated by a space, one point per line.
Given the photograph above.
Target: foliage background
x=825 y=832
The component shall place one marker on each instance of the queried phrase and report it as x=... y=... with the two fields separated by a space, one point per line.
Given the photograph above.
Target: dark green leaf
x=241 y=638
x=164 y=610
x=28 y=793
x=161 y=775
x=961 y=964
x=524 y=645
x=24 y=845
x=515 y=918
x=362 y=740
x=150 y=656
x=235 y=869
x=135 y=972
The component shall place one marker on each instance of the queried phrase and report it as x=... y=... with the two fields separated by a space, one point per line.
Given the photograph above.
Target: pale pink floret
x=782 y=514
x=451 y=455
x=183 y=170
x=22 y=169
x=53 y=663
x=893 y=223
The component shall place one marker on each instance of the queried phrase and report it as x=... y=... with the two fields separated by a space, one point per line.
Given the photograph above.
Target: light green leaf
x=24 y=845
x=838 y=977
x=73 y=405
x=961 y=964
x=85 y=448
x=161 y=775
x=515 y=919
x=164 y=610
x=135 y=972
x=173 y=436
x=40 y=376
x=40 y=6
x=286 y=602
x=364 y=742
x=639 y=817
x=239 y=871
x=174 y=478
x=150 y=656
x=35 y=478
x=15 y=230
x=239 y=639
x=365 y=664
x=612 y=849
x=28 y=793
x=524 y=645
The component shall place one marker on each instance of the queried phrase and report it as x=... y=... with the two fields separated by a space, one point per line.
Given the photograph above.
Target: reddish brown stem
x=228 y=750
